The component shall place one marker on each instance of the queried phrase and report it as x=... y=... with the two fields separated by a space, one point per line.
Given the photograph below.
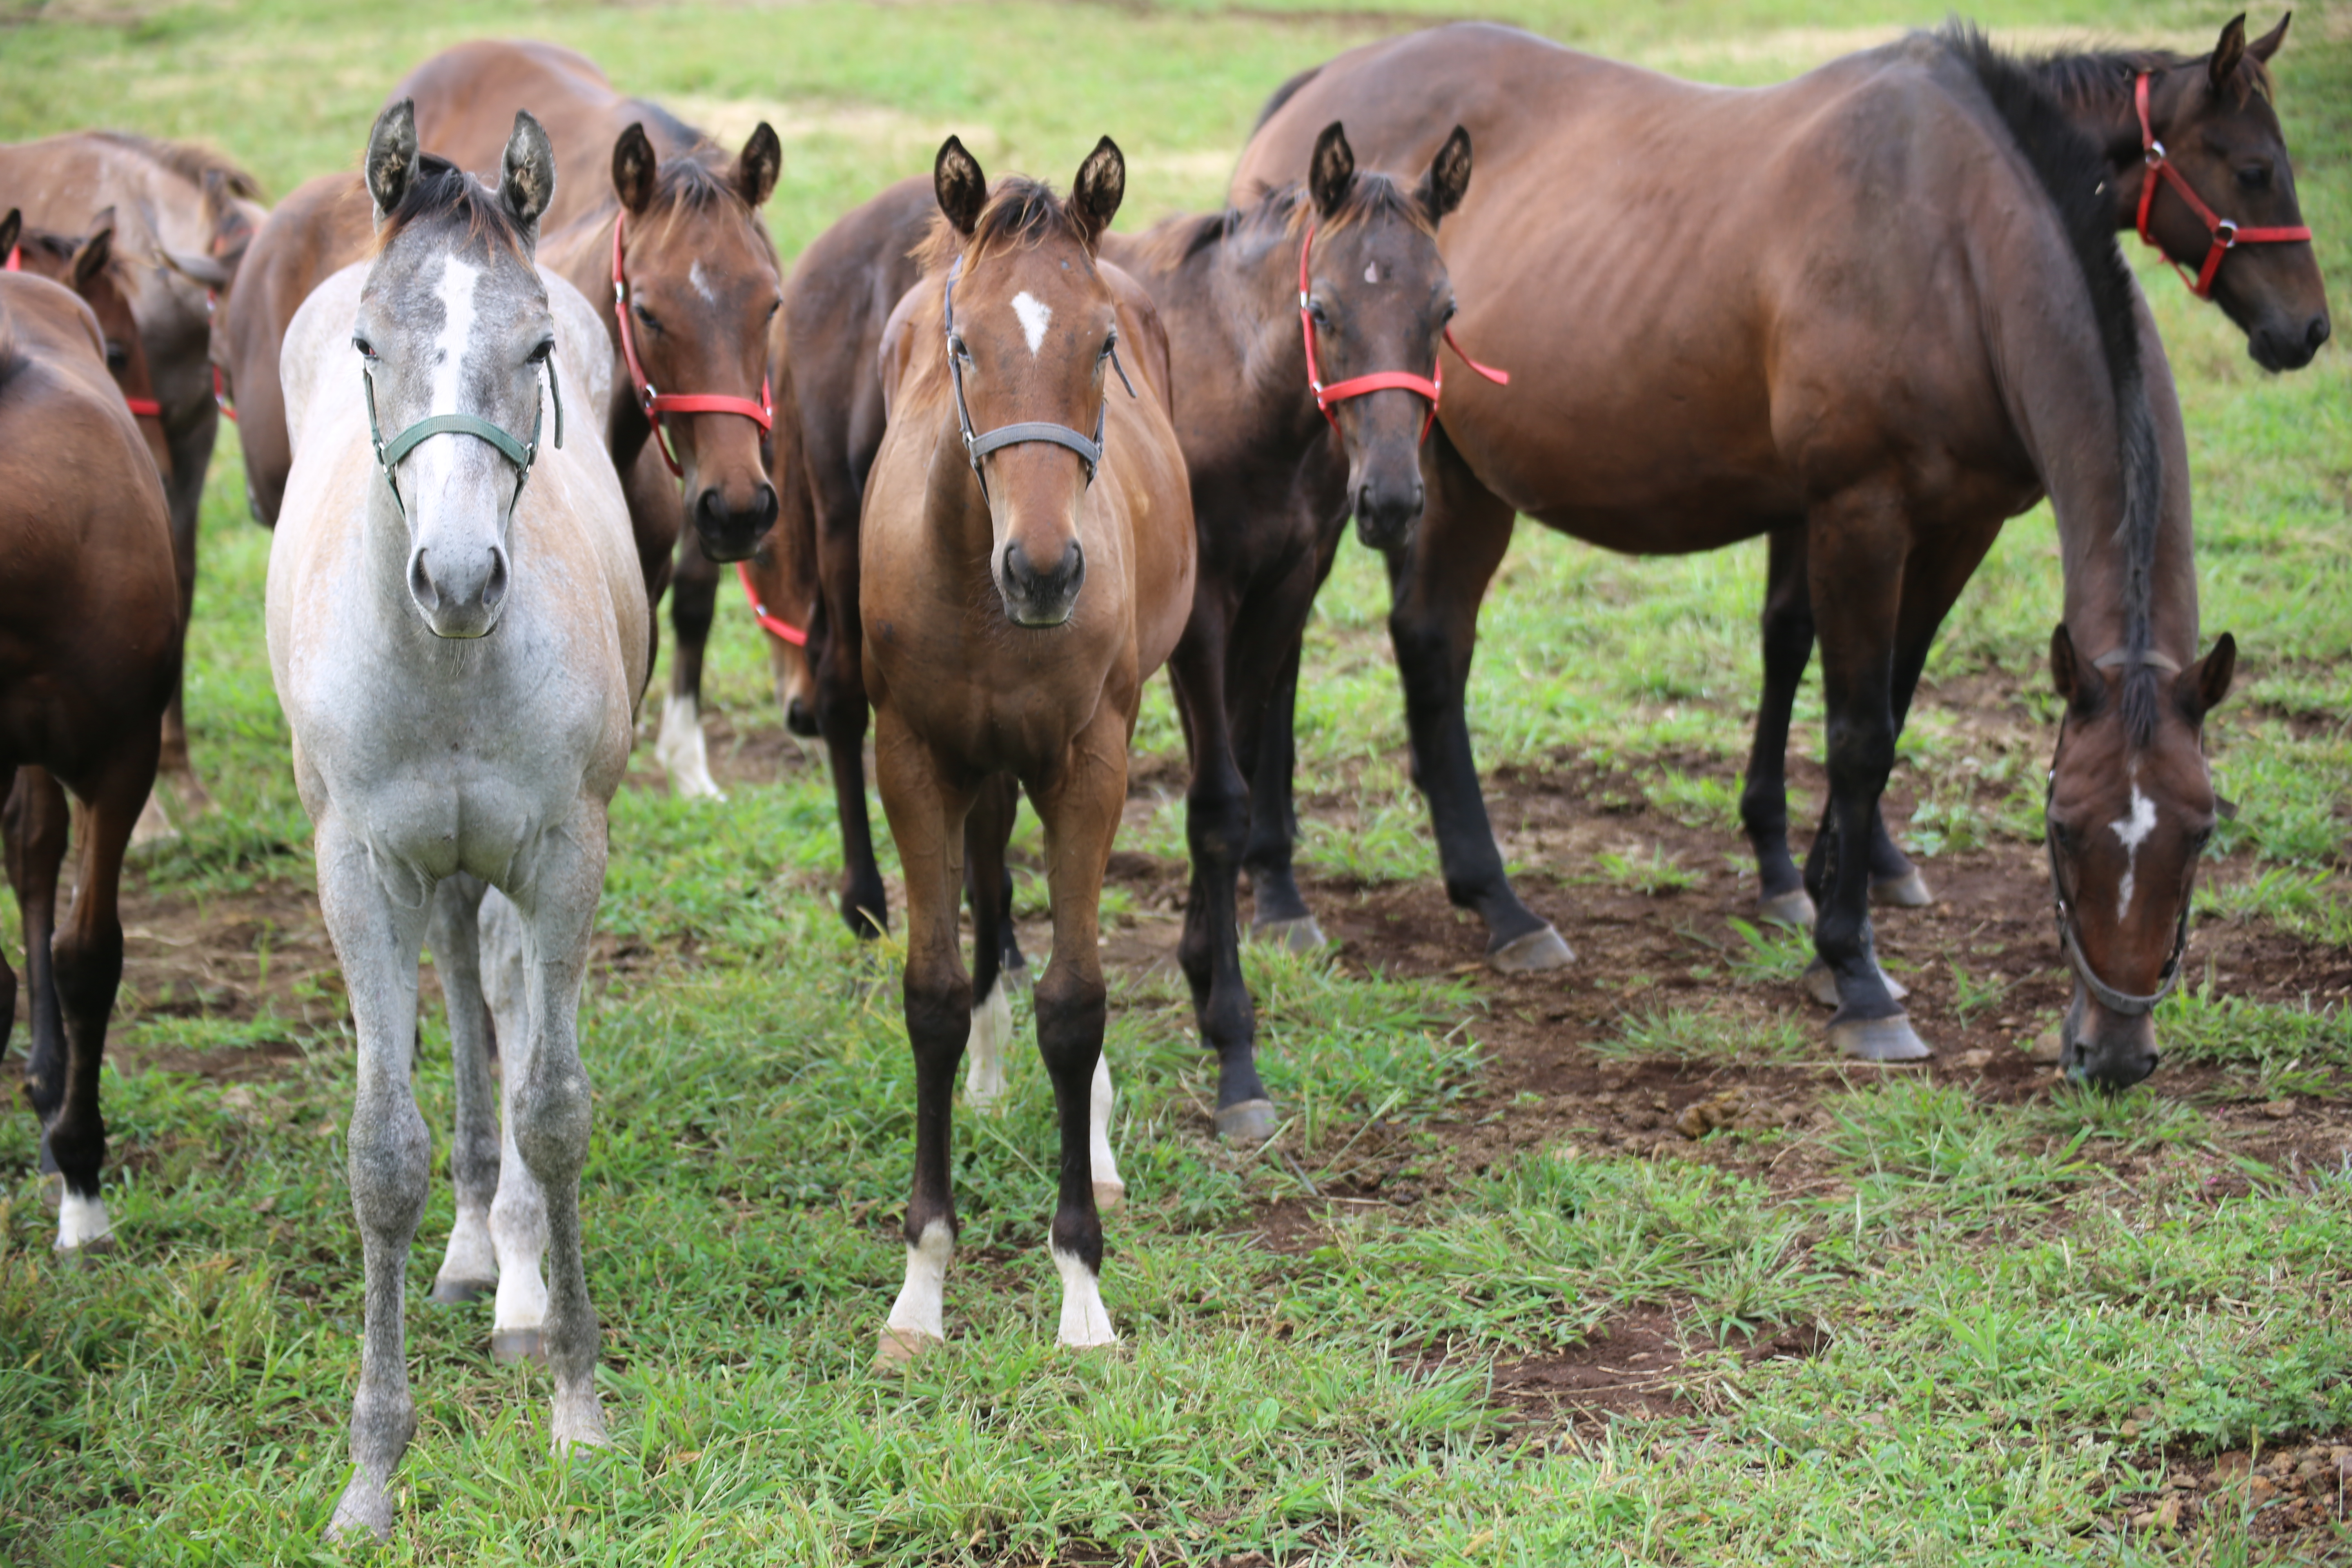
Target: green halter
x=388 y=454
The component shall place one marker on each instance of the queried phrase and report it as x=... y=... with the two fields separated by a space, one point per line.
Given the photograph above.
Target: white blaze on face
x=2133 y=831
x=1035 y=317
x=701 y=284
x=433 y=460
x=1371 y=272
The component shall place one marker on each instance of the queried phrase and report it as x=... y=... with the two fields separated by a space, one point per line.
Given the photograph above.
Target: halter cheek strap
x=141 y=407
x=2227 y=234
x=1430 y=386
x=388 y=454
x=657 y=403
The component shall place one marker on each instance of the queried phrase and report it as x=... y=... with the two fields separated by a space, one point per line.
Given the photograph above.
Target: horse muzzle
x=2288 y=345
x=1040 y=599
x=2104 y=1050
x=459 y=589
x=730 y=532
x=1387 y=511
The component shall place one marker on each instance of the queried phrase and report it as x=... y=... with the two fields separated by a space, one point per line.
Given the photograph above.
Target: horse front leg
x=1216 y=830
x=1268 y=755
x=1436 y=585
x=841 y=717
x=1788 y=639
x=1859 y=541
x=518 y=1223
x=927 y=812
x=693 y=606
x=35 y=822
x=549 y=1106
x=1080 y=808
x=989 y=894
x=470 y=1267
x=378 y=927
x=191 y=451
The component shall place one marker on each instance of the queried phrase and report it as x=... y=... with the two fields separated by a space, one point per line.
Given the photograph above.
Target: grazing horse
x=89 y=655
x=1926 y=379
x=2209 y=119
x=1272 y=488
x=179 y=209
x=86 y=264
x=1026 y=564
x=458 y=632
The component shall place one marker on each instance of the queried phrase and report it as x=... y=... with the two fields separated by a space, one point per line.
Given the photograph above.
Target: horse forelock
x=442 y=193
x=1020 y=212
x=695 y=186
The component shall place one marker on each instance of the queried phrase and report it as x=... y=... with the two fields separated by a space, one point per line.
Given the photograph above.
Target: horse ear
x=2065 y=673
x=1448 y=180
x=962 y=189
x=2264 y=47
x=1331 y=170
x=96 y=249
x=633 y=167
x=203 y=271
x=2230 y=52
x=756 y=169
x=392 y=157
x=2208 y=680
x=527 y=174
x=12 y=229
x=1100 y=186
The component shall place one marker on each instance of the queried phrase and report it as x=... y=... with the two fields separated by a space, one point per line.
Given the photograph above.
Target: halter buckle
x=2225 y=232
x=2155 y=154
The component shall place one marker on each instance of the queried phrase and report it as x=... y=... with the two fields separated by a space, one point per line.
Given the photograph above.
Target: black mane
x=2070 y=168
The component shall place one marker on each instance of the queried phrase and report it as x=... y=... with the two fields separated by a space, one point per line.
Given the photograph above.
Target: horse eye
x=647 y=317
x=955 y=347
x=2257 y=178
x=367 y=348
x=117 y=356
x=1452 y=308
x=1315 y=309
x=1111 y=346
x=539 y=355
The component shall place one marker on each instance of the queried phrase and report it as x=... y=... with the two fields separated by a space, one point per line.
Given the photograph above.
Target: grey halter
x=977 y=446
x=388 y=454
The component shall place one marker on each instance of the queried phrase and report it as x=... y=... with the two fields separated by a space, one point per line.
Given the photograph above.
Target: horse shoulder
x=319 y=333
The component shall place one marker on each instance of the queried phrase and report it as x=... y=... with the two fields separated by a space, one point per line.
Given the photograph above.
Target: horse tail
x=2069 y=168
x=1283 y=95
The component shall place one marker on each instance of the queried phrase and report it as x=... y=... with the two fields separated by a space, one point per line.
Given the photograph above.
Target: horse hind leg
x=35 y=824
x=693 y=606
x=470 y=1267
x=518 y=1216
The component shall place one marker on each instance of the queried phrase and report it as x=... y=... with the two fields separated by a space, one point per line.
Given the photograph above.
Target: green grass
x=2024 y=1308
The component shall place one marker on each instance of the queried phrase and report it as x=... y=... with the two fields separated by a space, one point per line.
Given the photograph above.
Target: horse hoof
x=1793 y=909
x=90 y=1251
x=1247 y=1122
x=1532 y=954
x=456 y=1292
x=1879 y=1040
x=1301 y=935
x=511 y=1346
x=1017 y=978
x=1908 y=891
x=1110 y=1196
x=1822 y=986
x=901 y=1347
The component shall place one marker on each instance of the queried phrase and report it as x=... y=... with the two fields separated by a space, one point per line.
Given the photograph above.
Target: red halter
x=657 y=403
x=1431 y=386
x=220 y=383
x=774 y=624
x=141 y=407
x=2226 y=233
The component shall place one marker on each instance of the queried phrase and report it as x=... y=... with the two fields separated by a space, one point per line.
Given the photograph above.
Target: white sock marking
x=701 y=284
x=1086 y=1321
x=81 y=1221
x=992 y=1026
x=2134 y=831
x=921 y=1306
x=1035 y=316
x=683 y=753
x=1098 y=1153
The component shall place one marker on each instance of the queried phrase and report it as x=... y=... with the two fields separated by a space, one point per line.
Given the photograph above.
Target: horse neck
x=2096 y=92
x=1241 y=291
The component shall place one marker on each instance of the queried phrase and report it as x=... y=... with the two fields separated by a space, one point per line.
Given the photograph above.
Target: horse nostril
x=420 y=582
x=2318 y=332
x=495 y=589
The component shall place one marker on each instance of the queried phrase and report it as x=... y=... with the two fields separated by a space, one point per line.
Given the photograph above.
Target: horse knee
x=552 y=1113
x=939 y=1006
x=1071 y=1013
x=390 y=1162
x=1861 y=753
x=1217 y=822
x=88 y=970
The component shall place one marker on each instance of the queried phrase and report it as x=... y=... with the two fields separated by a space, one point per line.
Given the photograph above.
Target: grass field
x=1601 y=1267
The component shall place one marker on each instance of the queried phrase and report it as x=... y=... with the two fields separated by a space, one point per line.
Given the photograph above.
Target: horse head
x=2130 y=809
x=90 y=266
x=1032 y=336
x=2213 y=117
x=1377 y=299
x=700 y=285
x=456 y=336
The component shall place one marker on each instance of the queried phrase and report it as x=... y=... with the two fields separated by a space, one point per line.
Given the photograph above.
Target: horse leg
x=35 y=821
x=184 y=487
x=985 y=833
x=1859 y=541
x=841 y=712
x=1436 y=585
x=548 y=1102
x=1080 y=808
x=926 y=816
x=518 y=1223
x=1280 y=912
x=377 y=930
x=693 y=605
x=470 y=1269
x=1764 y=795
x=1216 y=829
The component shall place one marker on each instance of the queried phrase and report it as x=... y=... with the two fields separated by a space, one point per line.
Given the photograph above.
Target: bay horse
x=86 y=264
x=1026 y=564
x=1275 y=471
x=1927 y=380
x=175 y=202
x=2209 y=119
x=458 y=632
x=89 y=656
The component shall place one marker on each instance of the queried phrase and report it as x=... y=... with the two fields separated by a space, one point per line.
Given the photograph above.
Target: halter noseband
x=657 y=403
x=2226 y=233
x=977 y=446
x=388 y=454
x=141 y=407
x=1430 y=386
x=2123 y=1004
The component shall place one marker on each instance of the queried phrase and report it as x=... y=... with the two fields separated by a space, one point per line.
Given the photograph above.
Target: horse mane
x=1374 y=197
x=2069 y=169
x=443 y=191
x=2090 y=79
x=190 y=160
